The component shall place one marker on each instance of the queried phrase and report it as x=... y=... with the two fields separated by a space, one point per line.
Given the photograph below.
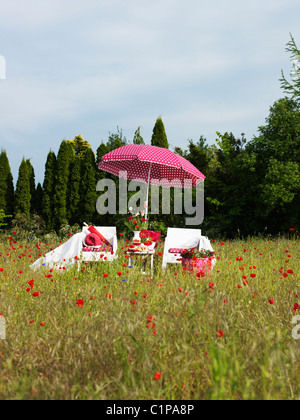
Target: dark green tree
x=39 y=199
x=33 y=202
x=116 y=140
x=6 y=185
x=79 y=145
x=73 y=198
x=23 y=196
x=102 y=150
x=65 y=157
x=88 y=188
x=159 y=137
x=198 y=154
x=280 y=136
x=277 y=167
x=226 y=185
x=48 y=190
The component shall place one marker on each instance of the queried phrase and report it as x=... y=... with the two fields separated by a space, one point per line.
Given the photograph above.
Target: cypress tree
x=48 y=190
x=73 y=200
x=159 y=137
x=88 y=187
x=39 y=199
x=102 y=150
x=79 y=145
x=6 y=185
x=33 y=199
x=64 y=158
x=23 y=196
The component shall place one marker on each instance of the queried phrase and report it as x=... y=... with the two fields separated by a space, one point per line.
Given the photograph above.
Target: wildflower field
x=105 y=331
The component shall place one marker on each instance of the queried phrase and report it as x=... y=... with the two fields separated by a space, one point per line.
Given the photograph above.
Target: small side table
x=145 y=253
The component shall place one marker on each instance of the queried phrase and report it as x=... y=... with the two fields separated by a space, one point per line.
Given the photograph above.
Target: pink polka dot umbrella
x=151 y=165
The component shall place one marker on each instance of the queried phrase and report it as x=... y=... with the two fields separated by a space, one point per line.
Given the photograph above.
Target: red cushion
x=97 y=249
x=93 y=240
x=176 y=250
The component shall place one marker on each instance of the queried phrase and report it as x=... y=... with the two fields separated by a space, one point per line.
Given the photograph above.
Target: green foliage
x=48 y=190
x=102 y=150
x=138 y=139
x=88 y=187
x=33 y=200
x=3 y=216
x=116 y=140
x=23 y=195
x=74 y=184
x=197 y=154
x=159 y=137
x=28 y=225
x=292 y=87
x=280 y=136
x=6 y=185
x=280 y=184
x=64 y=159
x=80 y=146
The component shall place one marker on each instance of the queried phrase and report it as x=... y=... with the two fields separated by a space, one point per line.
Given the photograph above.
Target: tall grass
x=209 y=338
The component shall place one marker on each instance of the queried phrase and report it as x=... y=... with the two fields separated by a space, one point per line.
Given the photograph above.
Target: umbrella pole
x=147 y=198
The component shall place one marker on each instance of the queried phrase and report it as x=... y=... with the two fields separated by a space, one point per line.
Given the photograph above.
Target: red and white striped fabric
x=167 y=168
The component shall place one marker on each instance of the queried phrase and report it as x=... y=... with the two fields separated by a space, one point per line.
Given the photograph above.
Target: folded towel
x=92 y=239
x=92 y=229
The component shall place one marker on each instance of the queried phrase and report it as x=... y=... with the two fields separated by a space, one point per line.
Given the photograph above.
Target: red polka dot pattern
x=167 y=168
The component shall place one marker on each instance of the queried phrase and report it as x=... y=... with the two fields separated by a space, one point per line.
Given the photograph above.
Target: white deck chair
x=70 y=253
x=109 y=233
x=178 y=238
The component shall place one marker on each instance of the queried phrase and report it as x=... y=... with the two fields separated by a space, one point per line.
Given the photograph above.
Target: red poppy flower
x=157 y=376
x=220 y=334
x=35 y=294
x=80 y=303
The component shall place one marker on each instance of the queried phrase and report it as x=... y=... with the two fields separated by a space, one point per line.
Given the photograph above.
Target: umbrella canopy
x=151 y=164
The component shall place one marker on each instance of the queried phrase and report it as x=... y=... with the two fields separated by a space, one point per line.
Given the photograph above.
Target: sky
x=92 y=67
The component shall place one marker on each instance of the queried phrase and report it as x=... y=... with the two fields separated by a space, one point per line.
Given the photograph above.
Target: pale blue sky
x=86 y=67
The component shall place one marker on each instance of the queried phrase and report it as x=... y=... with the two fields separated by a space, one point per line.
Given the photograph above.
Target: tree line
x=250 y=187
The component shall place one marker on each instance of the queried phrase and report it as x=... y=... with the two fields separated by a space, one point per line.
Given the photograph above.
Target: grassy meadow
x=108 y=332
